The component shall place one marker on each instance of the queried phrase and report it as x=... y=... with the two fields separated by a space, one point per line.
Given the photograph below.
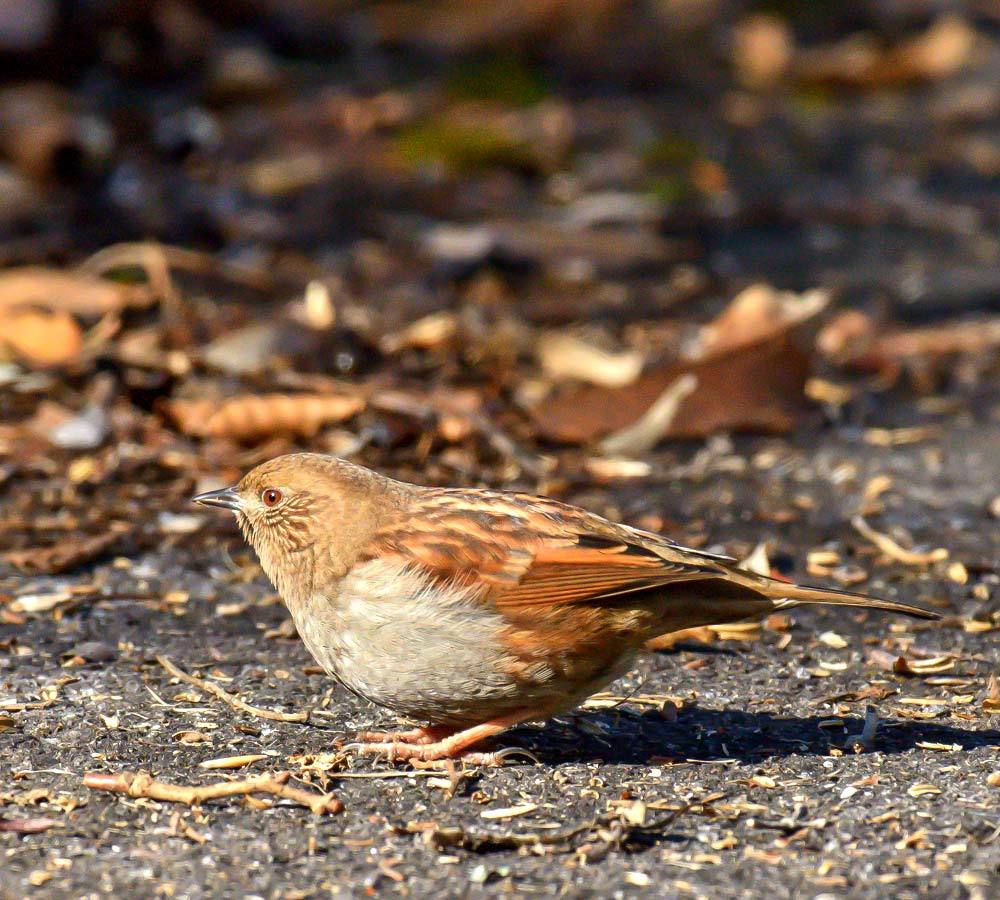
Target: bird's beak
x=226 y=498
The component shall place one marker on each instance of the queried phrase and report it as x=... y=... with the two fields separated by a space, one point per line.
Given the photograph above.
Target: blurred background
x=532 y=244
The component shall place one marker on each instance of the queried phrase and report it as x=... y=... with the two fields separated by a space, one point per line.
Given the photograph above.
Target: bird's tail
x=786 y=595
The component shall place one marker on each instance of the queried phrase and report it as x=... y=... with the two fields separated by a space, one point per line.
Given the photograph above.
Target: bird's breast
x=428 y=651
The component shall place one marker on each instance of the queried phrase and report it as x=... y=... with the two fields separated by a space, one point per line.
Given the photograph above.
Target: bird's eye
x=270 y=497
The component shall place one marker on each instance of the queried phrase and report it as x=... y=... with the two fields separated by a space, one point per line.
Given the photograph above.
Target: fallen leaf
x=750 y=369
x=257 y=416
x=68 y=554
x=40 y=338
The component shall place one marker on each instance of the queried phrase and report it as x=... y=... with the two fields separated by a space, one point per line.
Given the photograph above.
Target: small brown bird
x=473 y=610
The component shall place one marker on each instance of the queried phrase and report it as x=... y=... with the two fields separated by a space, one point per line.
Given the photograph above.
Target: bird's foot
x=411 y=736
x=428 y=744
x=398 y=751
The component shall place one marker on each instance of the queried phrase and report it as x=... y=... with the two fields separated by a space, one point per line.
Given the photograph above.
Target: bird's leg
x=455 y=745
x=424 y=735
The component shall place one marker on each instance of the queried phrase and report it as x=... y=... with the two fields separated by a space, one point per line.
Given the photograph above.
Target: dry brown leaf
x=754 y=314
x=749 y=365
x=257 y=416
x=67 y=554
x=38 y=337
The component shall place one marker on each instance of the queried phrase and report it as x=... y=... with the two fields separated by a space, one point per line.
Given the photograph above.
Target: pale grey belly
x=426 y=653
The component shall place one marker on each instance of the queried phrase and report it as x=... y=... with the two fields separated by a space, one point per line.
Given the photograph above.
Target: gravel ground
x=718 y=771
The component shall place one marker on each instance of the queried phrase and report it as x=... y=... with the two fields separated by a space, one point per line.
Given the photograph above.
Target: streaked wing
x=526 y=551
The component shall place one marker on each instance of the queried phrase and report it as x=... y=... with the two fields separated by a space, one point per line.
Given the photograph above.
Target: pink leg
x=452 y=747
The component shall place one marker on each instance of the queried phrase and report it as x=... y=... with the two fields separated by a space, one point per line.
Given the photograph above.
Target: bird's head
x=306 y=515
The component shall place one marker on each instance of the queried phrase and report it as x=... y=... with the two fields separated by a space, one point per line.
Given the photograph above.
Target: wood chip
x=231 y=762
x=509 y=812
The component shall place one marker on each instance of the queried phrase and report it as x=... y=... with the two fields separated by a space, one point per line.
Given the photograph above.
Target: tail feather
x=797 y=594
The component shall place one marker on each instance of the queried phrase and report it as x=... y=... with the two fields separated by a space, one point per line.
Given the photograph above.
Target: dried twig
x=140 y=254
x=890 y=548
x=209 y=688
x=142 y=784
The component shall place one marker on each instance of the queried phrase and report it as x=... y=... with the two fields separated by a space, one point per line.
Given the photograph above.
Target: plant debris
x=141 y=784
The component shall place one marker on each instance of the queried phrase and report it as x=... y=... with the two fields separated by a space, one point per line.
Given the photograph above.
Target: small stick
x=142 y=784
x=890 y=548
x=209 y=688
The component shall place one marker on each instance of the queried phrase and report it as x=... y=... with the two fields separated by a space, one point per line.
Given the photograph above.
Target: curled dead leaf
x=257 y=416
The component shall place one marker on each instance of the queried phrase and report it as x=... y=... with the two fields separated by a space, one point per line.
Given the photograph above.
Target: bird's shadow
x=626 y=736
